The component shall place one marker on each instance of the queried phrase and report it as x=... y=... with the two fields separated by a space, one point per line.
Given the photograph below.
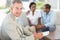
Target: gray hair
x=18 y=1
x=15 y=1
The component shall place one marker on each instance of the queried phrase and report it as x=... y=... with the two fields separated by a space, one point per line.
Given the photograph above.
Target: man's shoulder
x=52 y=12
x=7 y=18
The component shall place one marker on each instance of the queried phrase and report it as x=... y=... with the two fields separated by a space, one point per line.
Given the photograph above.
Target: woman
x=33 y=16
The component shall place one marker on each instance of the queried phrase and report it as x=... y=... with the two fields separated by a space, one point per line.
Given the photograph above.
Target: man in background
x=48 y=19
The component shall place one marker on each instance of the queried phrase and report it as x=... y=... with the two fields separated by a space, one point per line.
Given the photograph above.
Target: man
x=48 y=19
x=11 y=29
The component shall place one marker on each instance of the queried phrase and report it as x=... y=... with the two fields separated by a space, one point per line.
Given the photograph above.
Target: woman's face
x=33 y=7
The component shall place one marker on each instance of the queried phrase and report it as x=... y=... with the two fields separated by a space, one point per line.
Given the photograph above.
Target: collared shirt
x=19 y=21
x=49 y=19
x=34 y=18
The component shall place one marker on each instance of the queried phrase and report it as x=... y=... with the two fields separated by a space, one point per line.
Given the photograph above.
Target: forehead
x=33 y=5
x=44 y=7
x=17 y=4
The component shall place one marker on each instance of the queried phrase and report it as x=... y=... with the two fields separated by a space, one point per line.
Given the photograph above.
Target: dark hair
x=48 y=6
x=32 y=4
x=18 y=1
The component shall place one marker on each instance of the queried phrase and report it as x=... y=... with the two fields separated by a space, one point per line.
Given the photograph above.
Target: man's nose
x=18 y=10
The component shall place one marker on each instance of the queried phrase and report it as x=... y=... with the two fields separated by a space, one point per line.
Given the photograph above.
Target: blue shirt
x=49 y=19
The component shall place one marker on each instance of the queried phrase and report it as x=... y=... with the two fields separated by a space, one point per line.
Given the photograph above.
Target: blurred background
x=5 y=4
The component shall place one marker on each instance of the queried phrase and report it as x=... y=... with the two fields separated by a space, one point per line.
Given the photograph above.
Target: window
x=26 y=4
x=25 y=0
x=54 y=3
x=2 y=4
x=59 y=4
x=39 y=4
x=40 y=0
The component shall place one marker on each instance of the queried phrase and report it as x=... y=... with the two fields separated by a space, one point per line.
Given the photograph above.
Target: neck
x=47 y=12
x=33 y=12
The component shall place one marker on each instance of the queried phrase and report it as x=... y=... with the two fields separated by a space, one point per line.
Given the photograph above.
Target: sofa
x=56 y=34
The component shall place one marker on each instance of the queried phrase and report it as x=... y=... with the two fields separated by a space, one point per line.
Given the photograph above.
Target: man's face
x=45 y=9
x=16 y=9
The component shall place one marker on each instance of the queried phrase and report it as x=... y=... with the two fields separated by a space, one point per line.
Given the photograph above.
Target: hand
x=38 y=27
x=43 y=25
x=38 y=35
x=27 y=12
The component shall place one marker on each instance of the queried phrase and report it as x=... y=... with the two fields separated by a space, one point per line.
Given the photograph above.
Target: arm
x=38 y=35
x=30 y=22
x=52 y=20
x=39 y=21
x=39 y=18
x=40 y=25
x=35 y=36
x=12 y=32
x=27 y=12
x=28 y=18
x=27 y=31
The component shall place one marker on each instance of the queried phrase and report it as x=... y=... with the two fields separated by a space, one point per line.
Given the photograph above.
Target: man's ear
x=11 y=8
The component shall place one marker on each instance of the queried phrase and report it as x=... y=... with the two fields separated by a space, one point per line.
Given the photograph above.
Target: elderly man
x=11 y=29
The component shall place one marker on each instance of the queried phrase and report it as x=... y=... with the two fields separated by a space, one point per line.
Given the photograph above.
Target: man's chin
x=17 y=15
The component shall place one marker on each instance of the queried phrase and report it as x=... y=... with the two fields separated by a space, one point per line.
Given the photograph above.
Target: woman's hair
x=32 y=3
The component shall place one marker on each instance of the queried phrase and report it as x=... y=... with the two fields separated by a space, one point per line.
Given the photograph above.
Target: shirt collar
x=48 y=13
x=14 y=17
x=31 y=11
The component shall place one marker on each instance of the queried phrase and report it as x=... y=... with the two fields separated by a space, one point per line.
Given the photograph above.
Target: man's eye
x=21 y=8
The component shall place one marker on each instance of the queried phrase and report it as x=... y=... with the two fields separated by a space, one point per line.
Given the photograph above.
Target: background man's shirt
x=49 y=19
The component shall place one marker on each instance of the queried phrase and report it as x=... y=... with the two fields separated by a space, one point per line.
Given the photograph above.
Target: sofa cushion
x=57 y=18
